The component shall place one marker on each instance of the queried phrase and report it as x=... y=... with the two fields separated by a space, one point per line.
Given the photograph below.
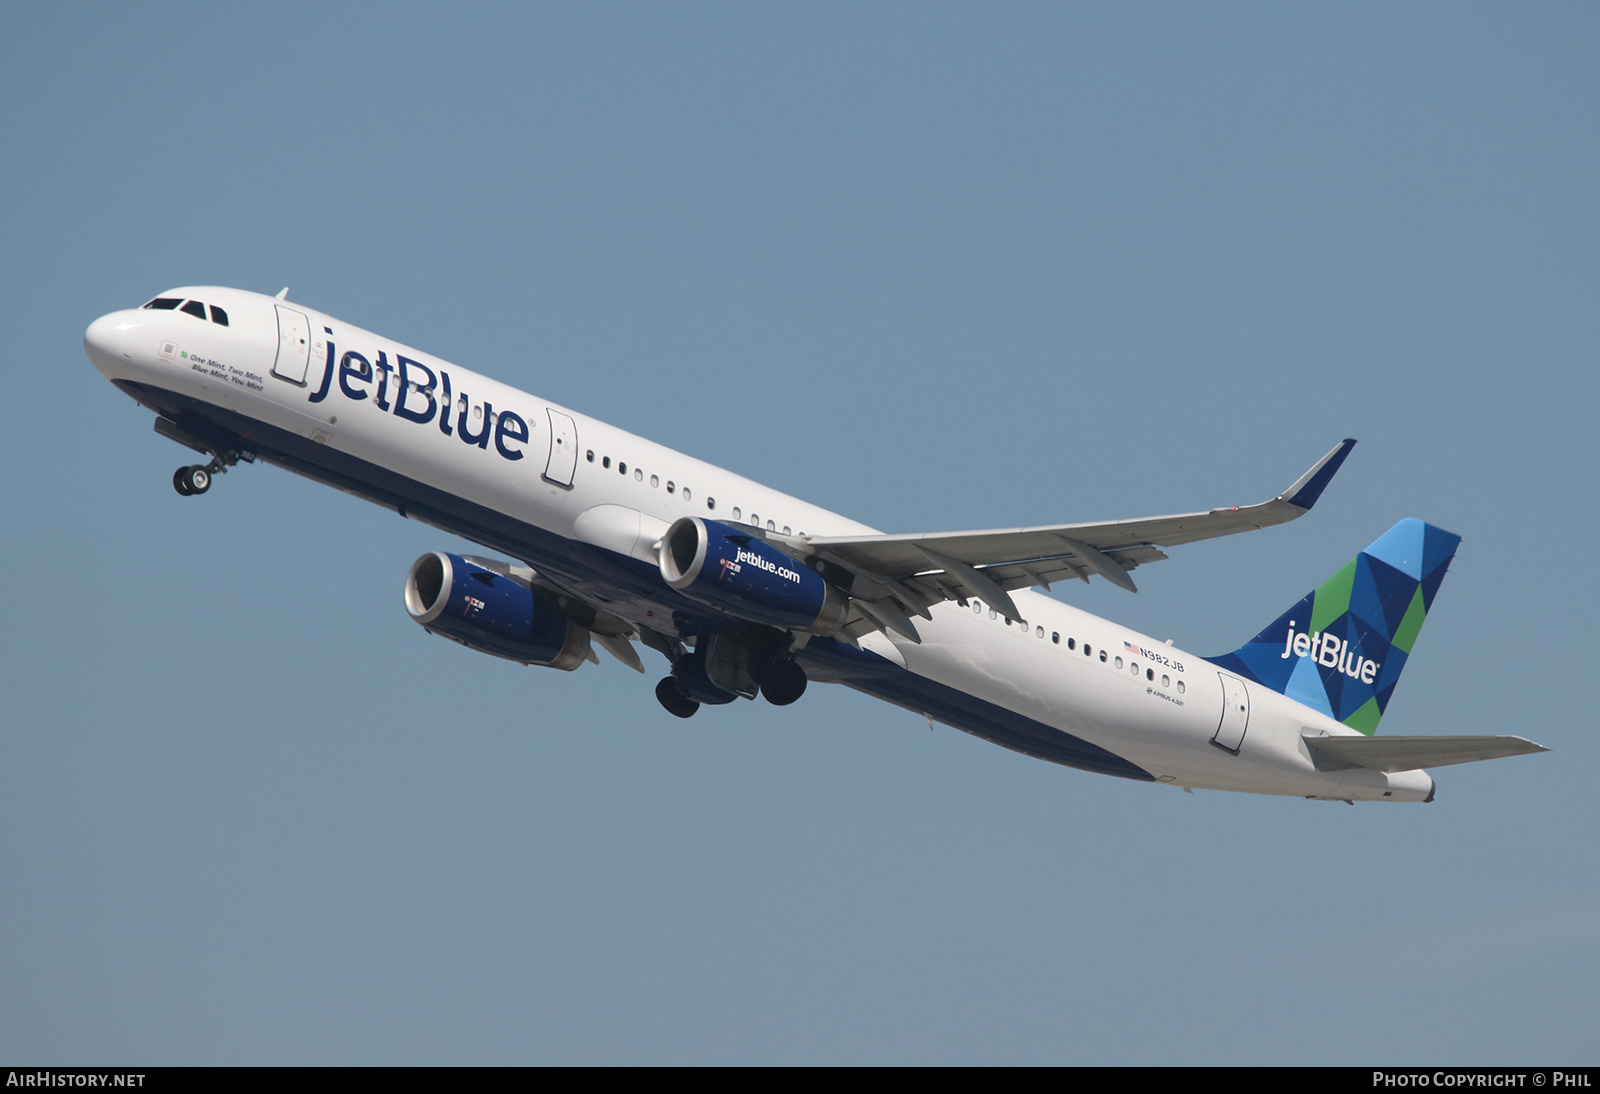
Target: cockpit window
x=195 y=308
x=219 y=316
x=164 y=303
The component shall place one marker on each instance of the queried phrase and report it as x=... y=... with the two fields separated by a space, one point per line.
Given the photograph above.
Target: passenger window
x=1102 y=656
x=1055 y=636
x=638 y=476
x=1072 y=644
x=1150 y=674
x=770 y=528
x=655 y=480
x=755 y=521
x=670 y=487
x=1039 y=631
x=1086 y=650
x=605 y=461
x=194 y=308
x=622 y=469
x=1119 y=664
x=1166 y=681
x=992 y=613
x=164 y=303
x=786 y=529
x=219 y=316
x=686 y=494
x=736 y=512
x=591 y=455
x=711 y=503
x=1180 y=687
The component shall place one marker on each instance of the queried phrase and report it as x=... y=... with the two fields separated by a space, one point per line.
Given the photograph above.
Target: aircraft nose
x=107 y=343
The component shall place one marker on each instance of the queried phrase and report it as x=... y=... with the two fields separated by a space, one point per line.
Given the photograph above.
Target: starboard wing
x=893 y=577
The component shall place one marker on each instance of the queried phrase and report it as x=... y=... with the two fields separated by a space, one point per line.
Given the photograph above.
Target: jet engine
x=489 y=610
x=727 y=567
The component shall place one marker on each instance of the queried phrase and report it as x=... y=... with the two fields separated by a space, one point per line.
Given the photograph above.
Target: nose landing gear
x=192 y=480
x=196 y=478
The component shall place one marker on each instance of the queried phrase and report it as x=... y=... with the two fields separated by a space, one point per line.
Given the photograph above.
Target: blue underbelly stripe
x=834 y=662
x=583 y=567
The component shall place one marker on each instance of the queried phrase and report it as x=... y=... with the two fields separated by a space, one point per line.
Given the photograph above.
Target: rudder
x=1342 y=648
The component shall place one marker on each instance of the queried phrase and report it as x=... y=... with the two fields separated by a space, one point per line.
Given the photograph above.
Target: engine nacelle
x=725 y=566
x=492 y=613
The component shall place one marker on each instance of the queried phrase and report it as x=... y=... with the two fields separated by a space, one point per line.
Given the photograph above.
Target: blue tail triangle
x=1341 y=647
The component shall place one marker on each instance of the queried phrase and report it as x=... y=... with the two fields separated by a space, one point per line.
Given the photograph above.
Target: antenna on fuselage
x=283 y=293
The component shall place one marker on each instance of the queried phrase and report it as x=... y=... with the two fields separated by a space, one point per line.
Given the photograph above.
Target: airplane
x=611 y=540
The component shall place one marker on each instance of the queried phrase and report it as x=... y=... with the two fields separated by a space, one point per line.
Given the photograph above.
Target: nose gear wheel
x=192 y=480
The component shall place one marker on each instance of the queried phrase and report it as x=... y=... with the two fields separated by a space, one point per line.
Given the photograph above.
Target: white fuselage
x=551 y=468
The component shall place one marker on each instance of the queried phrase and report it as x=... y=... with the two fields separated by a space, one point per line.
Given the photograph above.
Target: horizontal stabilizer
x=1411 y=753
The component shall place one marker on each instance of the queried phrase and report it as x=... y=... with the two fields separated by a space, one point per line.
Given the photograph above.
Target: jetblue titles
x=411 y=390
x=1330 y=652
x=761 y=563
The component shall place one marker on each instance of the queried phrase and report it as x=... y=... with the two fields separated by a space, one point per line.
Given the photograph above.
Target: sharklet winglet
x=1308 y=488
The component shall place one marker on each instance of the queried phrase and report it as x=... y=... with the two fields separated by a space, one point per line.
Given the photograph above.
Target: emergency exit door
x=563 y=448
x=1235 y=714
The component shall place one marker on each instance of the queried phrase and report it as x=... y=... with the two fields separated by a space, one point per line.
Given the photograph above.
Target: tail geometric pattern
x=1342 y=648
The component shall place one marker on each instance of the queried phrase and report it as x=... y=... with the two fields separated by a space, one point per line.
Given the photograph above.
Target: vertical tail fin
x=1342 y=648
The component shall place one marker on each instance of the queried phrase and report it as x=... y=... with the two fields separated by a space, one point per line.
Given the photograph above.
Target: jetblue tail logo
x=1342 y=648
x=1331 y=651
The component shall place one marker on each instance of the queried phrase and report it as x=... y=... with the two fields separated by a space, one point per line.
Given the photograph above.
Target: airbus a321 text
x=611 y=540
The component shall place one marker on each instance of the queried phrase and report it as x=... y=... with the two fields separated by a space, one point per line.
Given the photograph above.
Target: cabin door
x=294 y=345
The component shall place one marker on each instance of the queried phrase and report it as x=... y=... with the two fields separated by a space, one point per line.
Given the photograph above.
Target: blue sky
x=933 y=266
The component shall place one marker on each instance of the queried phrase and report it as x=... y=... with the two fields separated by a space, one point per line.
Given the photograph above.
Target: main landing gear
x=782 y=683
x=671 y=696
